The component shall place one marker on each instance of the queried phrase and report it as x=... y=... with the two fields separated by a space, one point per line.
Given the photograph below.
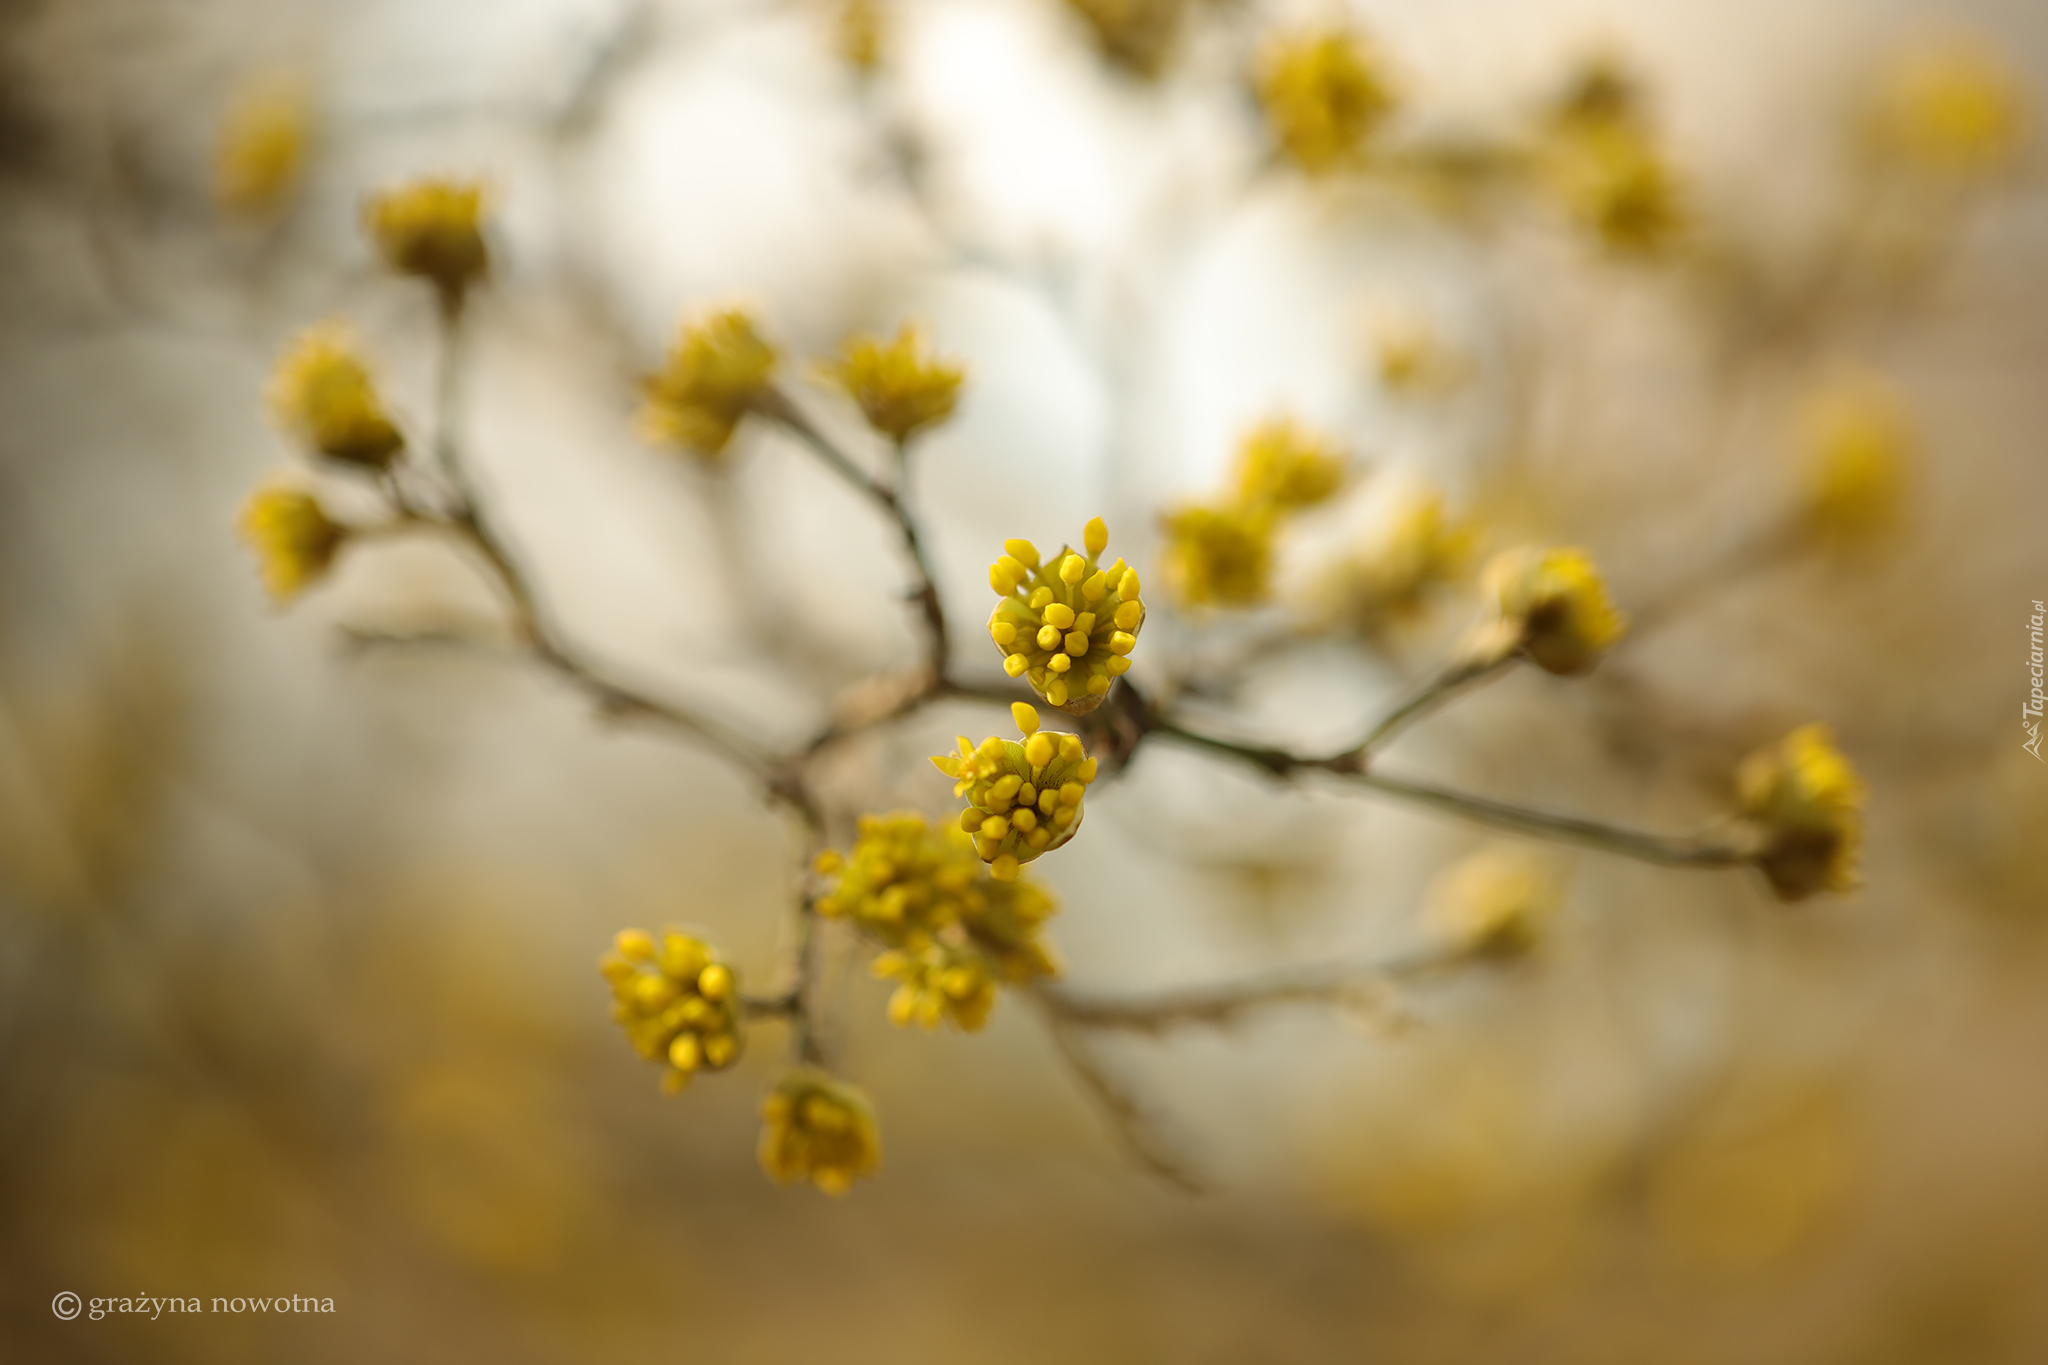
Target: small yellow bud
x=1095 y=535
x=432 y=229
x=1807 y=801
x=1072 y=569
x=1026 y=716
x=1323 y=95
x=294 y=539
x=717 y=368
x=1556 y=604
x=321 y=391
x=715 y=982
x=686 y=1053
x=1023 y=551
x=899 y=387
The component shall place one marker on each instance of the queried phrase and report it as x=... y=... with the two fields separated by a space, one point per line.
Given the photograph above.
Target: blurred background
x=298 y=937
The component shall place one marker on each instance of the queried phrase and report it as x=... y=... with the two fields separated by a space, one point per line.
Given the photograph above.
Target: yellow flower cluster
x=1137 y=35
x=1859 y=446
x=294 y=539
x=678 y=1003
x=321 y=390
x=819 y=1129
x=1554 y=608
x=1947 y=107
x=1388 y=580
x=261 y=151
x=900 y=387
x=1601 y=160
x=1023 y=799
x=954 y=931
x=858 y=34
x=716 y=369
x=1221 y=554
x=940 y=981
x=1282 y=466
x=432 y=228
x=1495 y=903
x=1324 y=93
x=1807 y=801
x=1066 y=626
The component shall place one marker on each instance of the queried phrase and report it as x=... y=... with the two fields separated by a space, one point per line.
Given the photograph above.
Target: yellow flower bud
x=1049 y=629
x=1859 y=446
x=294 y=539
x=819 y=1129
x=432 y=228
x=1555 y=608
x=676 y=1002
x=716 y=369
x=1807 y=802
x=261 y=152
x=1950 y=107
x=1220 y=556
x=1324 y=95
x=1495 y=903
x=899 y=387
x=1282 y=466
x=994 y=778
x=321 y=391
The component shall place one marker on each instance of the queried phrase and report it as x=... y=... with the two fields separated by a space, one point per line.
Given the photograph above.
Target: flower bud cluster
x=1064 y=625
x=1221 y=554
x=1023 y=799
x=677 y=1001
x=1807 y=801
x=820 y=1129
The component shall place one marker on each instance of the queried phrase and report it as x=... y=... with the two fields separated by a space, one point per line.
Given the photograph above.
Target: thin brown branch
x=1221 y=1004
x=1134 y=1127
x=778 y=407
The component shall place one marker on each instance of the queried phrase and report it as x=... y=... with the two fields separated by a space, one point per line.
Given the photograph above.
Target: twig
x=1447 y=683
x=1134 y=1128
x=1222 y=1004
x=1664 y=850
x=777 y=406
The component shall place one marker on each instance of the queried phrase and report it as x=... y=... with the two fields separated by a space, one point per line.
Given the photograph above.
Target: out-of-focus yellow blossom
x=1220 y=555
x=294 y=539
x=1949 y=107
x=1496 y=903
x=717 y=367
x=1412 y=359
x=261 y=152
x=1807 y=801
x=1388 y=580
x=1859 y=445
x=858 y=34
x=1615 y=182
x=939 y=981
x=1283 y=466
x=1324 y=94
x=1064 y=625
x=1600 y=158
x=910 y=886
x=677 y=1001
x=1137 y=35
x=899 y=385
x=1554 y=608
x=322 y=391
x=1602 y=93
x=820 y=1129
x=1023 y=799
x=902 y=881
x=432 y=228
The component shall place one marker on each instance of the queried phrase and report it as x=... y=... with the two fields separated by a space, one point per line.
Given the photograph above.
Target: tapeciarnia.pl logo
x=2030 y=714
